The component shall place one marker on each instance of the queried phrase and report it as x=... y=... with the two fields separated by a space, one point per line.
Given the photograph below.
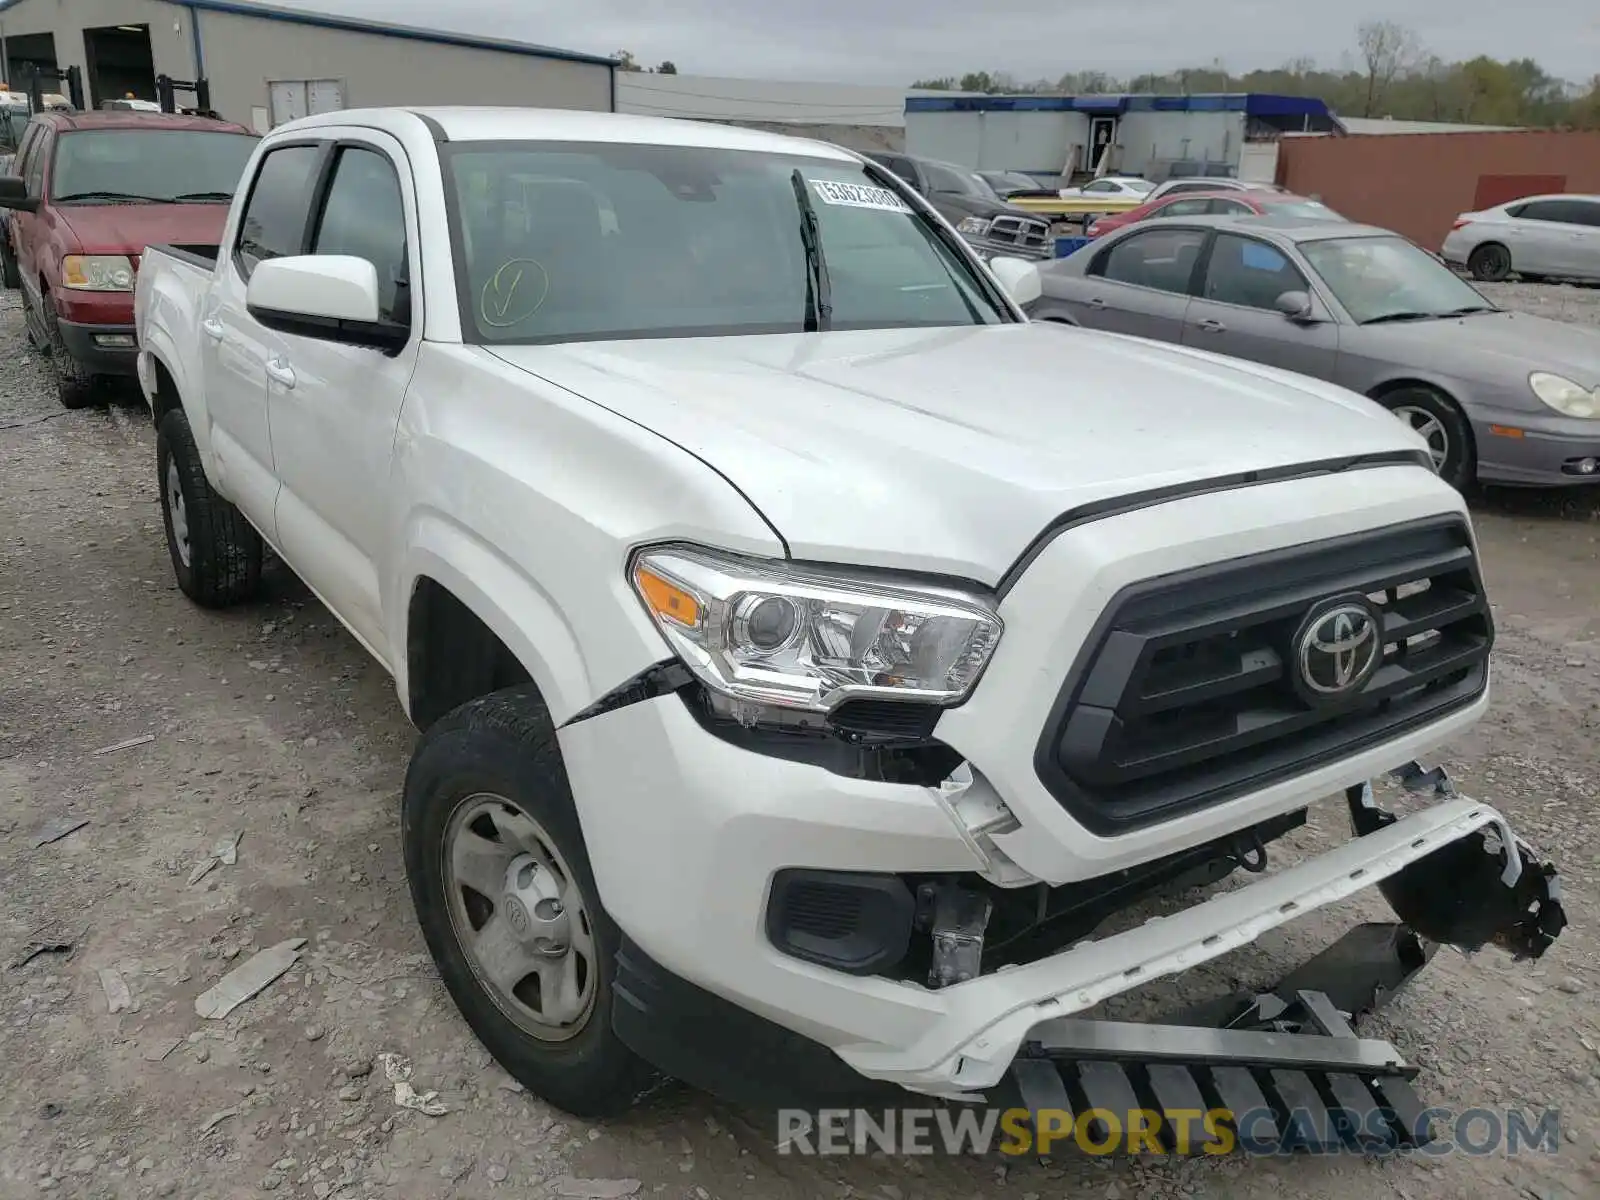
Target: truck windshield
x=584 y=241
x=161 y=166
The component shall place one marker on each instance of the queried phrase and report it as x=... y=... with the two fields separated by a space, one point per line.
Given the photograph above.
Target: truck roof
x=129 y=119
x=469 y=124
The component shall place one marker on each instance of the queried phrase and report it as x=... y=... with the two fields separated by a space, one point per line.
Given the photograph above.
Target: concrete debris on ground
x=247 y=979
x=118 y=998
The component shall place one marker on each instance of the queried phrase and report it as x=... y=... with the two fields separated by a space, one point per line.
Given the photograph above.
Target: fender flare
x=492 y=588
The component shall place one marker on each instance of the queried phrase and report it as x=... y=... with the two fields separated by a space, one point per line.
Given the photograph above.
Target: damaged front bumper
x=1454 y=872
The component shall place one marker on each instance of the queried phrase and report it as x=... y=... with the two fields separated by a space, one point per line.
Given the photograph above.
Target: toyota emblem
x=1337 y=649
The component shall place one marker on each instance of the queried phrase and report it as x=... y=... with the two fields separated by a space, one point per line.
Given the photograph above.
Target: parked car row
x=85 y=193
x=1498 y=396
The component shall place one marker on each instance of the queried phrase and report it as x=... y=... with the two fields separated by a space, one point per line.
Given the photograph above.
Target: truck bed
x=196 y=254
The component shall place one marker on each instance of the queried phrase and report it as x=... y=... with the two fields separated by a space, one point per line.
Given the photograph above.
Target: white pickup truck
x=810 y=653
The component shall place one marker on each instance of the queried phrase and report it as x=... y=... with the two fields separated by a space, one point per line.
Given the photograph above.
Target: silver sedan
x=1500 y=396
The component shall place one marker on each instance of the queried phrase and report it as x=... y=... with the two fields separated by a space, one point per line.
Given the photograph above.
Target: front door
x=335 y=407
x=1236 y=310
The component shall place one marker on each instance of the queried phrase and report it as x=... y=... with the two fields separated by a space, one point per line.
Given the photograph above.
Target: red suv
x=90 y=191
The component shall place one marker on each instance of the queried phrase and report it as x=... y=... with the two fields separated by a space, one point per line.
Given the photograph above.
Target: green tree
x=667 y=68
x=625 y=60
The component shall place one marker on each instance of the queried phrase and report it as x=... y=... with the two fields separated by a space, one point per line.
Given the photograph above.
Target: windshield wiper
x=1469 y=310
x=1402 y=316
x=127 y=197
x=819 y=293
x=182 y=196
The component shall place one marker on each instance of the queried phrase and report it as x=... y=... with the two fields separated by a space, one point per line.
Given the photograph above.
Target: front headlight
x=97 y=273
x=1564 y=396
x=810 y=638
x=973 y=226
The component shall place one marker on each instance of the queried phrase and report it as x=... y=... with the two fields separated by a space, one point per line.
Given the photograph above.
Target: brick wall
x=1416 y=183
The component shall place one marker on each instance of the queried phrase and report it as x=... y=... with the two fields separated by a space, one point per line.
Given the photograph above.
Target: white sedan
x=1112 y=187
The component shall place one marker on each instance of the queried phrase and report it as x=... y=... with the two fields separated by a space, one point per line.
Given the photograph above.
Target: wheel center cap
x=533 y=907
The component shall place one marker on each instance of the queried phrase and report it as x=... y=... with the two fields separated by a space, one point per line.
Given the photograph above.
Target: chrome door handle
x=280 y=372
x=213 y=328
x=1211 y=326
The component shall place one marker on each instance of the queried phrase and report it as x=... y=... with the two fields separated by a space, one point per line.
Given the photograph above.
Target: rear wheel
x=216 y=555
x=501 y=882
x=1490 y=262
x=1442 y=426
x=74 y=383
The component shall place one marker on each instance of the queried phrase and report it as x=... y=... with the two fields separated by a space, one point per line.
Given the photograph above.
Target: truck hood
x=950 y=450
x=129 y=228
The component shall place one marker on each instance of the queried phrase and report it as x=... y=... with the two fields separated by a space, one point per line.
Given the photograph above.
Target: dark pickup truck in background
x=989 y=225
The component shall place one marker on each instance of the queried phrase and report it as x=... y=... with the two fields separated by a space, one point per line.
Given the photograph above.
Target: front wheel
x=216 y=555
x=1442 y=426
x=74 y=383
x=9 y=274
x=502 y=887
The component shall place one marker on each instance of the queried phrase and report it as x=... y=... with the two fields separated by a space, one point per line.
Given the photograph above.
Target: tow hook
x=956 y=917
x=1490 y=888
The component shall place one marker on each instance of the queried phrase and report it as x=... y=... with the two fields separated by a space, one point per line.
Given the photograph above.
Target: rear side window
x=1157 y=258
x=1184 y=208
x=274 y=221
x=365 y=216
x=1562 y=212
x=901 y=167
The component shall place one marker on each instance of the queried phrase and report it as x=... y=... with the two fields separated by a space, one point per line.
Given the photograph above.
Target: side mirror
x=1295 y=305
x=1019 y=277
x=14 y=194
x=333 y=297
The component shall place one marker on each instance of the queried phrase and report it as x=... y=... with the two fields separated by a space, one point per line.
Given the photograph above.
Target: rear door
x=1235 y=312
x=1140 y=283
x=234 y=348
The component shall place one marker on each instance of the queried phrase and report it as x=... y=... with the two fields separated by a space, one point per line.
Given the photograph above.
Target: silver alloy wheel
x=1432 y=430
x=177 y=511
x=518 y=915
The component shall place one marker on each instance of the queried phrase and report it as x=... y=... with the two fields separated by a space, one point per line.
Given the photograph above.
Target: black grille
x=1020 y=231
x=1185 y=695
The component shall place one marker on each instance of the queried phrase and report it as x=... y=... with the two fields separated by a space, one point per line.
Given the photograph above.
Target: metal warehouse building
x=267 y=65
x=1153 y=136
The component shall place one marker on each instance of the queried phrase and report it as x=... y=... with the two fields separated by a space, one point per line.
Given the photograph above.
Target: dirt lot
x=270 y=723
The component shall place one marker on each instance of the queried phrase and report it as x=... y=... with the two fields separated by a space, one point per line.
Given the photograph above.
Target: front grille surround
x=1182 y=696
x=1025 y=232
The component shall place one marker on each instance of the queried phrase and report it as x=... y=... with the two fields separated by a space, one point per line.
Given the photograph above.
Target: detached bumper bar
x=989 y=1019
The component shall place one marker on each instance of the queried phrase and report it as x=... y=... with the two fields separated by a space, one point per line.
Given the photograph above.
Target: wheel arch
x=1390 y=387
x=471 y=624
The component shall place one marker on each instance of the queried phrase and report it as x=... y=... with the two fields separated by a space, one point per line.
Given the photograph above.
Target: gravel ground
x=269 y=723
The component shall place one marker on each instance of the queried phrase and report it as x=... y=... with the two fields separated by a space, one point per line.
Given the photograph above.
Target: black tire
x=504 y=745
x=224 y=553
x=9 y=274
x=1490 y=262
x=74 y=382
x=1414 y=404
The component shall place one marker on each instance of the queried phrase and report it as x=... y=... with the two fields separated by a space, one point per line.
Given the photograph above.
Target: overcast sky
x=895 y=41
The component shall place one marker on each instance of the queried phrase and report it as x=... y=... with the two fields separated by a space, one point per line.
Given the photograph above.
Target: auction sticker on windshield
x=858 y=195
